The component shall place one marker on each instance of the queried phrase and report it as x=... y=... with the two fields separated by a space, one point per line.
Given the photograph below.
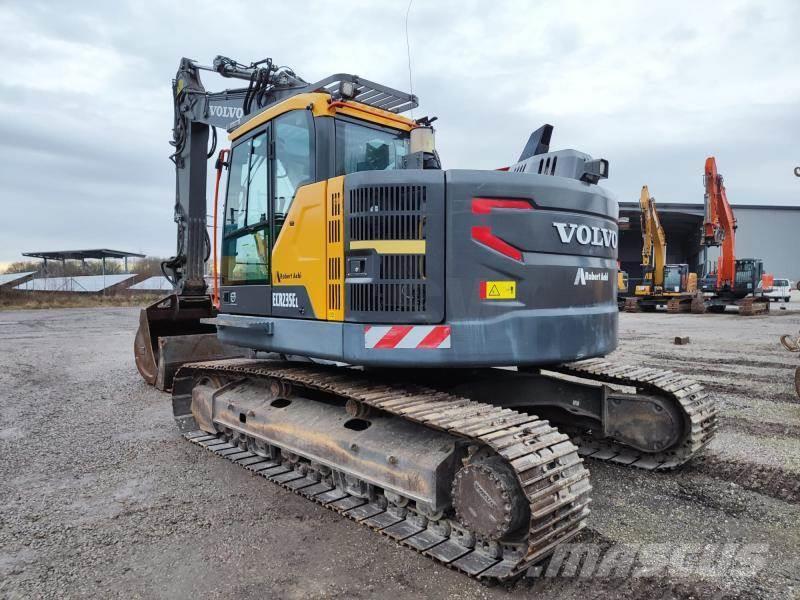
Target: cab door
x=246 y=285
x=298 y=208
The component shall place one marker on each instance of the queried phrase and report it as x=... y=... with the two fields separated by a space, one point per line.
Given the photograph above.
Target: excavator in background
x=734 y=282
x=371 y=293
x=671 y=285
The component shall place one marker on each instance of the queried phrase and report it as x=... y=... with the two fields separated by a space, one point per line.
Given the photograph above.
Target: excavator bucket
x=172 y=332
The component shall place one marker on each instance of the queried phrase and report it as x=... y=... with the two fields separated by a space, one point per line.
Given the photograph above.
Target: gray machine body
x=565 y=302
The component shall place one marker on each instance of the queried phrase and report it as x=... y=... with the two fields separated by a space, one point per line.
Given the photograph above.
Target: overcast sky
x=654 y=87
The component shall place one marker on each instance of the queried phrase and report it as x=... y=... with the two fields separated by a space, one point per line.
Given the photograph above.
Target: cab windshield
x=672 y=278
x=361 y=147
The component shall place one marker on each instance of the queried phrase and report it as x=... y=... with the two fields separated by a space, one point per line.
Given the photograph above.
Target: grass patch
x=35 y=300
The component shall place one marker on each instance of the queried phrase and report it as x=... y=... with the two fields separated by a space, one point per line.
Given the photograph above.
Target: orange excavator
x=734 y=282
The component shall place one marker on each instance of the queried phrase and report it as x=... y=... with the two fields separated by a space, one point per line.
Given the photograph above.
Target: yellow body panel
x=335 y=249
x=301 y=246
x=390 y=246
x=321 y=107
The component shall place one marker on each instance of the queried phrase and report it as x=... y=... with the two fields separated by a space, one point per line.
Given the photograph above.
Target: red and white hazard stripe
x=407 y=336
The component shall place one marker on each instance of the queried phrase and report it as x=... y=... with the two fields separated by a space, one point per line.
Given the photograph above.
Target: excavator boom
x=719 y=226
x=654 y=246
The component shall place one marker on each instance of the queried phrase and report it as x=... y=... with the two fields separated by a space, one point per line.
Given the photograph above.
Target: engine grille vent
x=335 y=249
x=395 y=232
x=402 y=266
x=390 y=212
x=388 y=298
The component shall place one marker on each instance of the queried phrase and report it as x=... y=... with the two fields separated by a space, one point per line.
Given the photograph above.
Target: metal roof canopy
x=99 y=253
x=367 y=92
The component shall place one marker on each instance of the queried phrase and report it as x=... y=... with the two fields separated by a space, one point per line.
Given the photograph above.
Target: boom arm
x=719 y=226
x=654 y=243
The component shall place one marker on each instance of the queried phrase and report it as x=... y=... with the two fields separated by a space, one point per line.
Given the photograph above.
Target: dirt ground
x=99 y=496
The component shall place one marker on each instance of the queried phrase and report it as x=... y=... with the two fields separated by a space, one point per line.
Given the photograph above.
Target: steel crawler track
x=546 y=464
x=699 y=410
x=752 y=305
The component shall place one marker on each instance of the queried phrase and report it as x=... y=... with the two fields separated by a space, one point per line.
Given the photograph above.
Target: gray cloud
x=85 y=108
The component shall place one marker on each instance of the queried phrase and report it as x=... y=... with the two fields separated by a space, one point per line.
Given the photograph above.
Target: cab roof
x=343 y=93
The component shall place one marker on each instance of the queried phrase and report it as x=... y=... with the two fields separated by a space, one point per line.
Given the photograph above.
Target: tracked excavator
x=734 y=281
x=670 y=285
x=372 y=294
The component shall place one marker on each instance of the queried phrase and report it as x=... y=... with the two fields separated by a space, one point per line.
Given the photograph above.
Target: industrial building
x=766 y=232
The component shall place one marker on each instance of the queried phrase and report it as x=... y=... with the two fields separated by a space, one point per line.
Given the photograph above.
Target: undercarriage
x=460 y=465
x=697 y=304
x=675 y=303
x=748 y=306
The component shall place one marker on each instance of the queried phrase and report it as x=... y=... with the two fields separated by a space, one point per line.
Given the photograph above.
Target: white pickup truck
x=781 y=290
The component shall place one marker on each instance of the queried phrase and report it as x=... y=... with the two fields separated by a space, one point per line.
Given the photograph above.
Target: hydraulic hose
x=215 y=270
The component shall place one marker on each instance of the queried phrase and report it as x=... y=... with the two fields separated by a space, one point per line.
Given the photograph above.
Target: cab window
x=257 y=199
x=294 y=159
x=236 y=201
x=245 y=239
x=365 y=148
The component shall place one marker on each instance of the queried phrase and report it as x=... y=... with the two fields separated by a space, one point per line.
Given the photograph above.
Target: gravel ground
x=100 y=497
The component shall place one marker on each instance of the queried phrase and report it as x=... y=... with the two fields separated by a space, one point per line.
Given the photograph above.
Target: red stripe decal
x=485 y=236
x=483 y=206
x=482 y=290
x=435 y=337
x=367 y=328
x=391 y=339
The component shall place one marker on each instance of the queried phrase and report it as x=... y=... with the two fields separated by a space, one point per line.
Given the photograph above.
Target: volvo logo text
x=231 y=112
x=585 y=235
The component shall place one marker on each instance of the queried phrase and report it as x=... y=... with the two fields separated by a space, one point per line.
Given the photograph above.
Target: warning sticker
x=498 y=290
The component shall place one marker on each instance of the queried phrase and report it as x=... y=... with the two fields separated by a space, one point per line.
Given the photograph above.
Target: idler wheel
x=488 y=499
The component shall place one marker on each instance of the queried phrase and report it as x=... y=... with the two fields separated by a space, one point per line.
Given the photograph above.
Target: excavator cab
x=678 y=279
x=749 y=274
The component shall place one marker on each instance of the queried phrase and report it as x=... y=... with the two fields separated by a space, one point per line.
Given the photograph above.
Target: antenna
x=408 y=53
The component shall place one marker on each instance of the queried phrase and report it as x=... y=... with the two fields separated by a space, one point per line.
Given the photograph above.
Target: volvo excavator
x=370 y=294
x=672 y=285
x=734 y=281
